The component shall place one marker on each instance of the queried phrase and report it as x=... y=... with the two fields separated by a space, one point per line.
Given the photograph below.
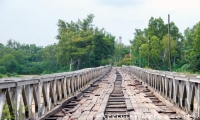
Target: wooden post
x=148 y=50
x=169 y=42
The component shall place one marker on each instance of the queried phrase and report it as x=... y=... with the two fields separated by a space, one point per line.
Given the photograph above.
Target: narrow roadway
x=117 y=96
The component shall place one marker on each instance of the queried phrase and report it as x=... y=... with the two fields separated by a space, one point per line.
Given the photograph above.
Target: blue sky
x=34 y=21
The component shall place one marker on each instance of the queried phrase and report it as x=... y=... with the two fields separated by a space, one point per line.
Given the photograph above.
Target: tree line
x=17 y=58
x=80 y=45
x=150 y=47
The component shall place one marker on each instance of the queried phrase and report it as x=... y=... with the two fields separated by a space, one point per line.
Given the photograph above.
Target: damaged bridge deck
x=118 y=95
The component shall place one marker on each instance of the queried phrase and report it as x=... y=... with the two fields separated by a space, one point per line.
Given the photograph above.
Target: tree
x=80 y=44
x=126 y=60
x=152 y=42
x=50 y=56
x=195 y=53
x=197 y=39
x=2 y=70
x=139 y=39
x=102 y=49
x=155 y=52
x=190 y=56
x=165 y=53
x=2 y=50
x=156 y=28
x=9 y=62
x=120 y=53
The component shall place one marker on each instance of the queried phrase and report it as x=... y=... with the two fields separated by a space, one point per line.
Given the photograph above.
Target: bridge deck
x=141 y=103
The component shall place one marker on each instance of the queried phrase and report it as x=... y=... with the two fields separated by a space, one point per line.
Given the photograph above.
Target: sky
x=35 y=21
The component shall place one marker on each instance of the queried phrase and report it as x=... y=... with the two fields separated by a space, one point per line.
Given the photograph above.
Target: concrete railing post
x=182 y=90
x=38 y=95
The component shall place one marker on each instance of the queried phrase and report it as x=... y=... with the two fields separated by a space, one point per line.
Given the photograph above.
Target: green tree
x=195 y=53
x=80 y=44
x=153 y=44
x=9 y=62
x=120 y=53
x=139 y=39
x=165 y=53
x=156 y=27
x=2 y=70
x=103 y=48
x=155 y=52
x=50 y=57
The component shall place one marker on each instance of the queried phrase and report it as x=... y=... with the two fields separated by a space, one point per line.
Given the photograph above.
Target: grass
x=28 y=75
x=4 y=76
x=21 y=76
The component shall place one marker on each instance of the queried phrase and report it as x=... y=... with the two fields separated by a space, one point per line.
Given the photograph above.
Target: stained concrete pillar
x=72 y=85
x=53 y=94
x=2 y=100
x=198 y=98
x=166 y=86
x=58 y=89
x=163 y=85
x=181 y=93
x=170 y=88
x=190 y=95
x=69 y=86
x=175 y=86
x=63 y=87
x=29 y=97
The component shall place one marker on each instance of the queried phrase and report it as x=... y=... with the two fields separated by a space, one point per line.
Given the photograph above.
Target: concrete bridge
x=180 y=89
x=131 y=90
x=33 y=97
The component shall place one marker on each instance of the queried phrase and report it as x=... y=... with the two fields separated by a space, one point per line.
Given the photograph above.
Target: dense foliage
x=27 y=59
x=83 y=45
x=121 y=54
x=150 y=47
x=80 y=45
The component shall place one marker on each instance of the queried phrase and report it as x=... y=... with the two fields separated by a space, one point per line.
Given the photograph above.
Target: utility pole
x=120 y=41
x=148 y=50
x=140 y=57
x=130 y=53
x=169 y=42
x=130 y=56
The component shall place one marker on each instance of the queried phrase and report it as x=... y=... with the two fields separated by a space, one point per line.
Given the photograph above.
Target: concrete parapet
x=181 y=89
x=34 y=96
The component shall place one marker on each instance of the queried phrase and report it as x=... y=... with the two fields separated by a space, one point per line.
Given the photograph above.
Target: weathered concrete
x=180 y=89
x=35 y=96
x=119 y=96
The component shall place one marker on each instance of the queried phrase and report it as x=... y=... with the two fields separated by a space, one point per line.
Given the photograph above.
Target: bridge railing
x=32 y=97
x=181 y=89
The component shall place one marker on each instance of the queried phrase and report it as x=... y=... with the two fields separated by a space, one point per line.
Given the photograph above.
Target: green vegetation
x=19 y=58
x=121 y=54
x=6 y=114
x=10 y=112
x=82 y=45
x=150 y=47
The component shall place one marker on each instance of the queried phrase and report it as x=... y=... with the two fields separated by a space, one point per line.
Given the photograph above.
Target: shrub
x=2 y=69
x=14 y=74
x=8 y=74
x=45 y=72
